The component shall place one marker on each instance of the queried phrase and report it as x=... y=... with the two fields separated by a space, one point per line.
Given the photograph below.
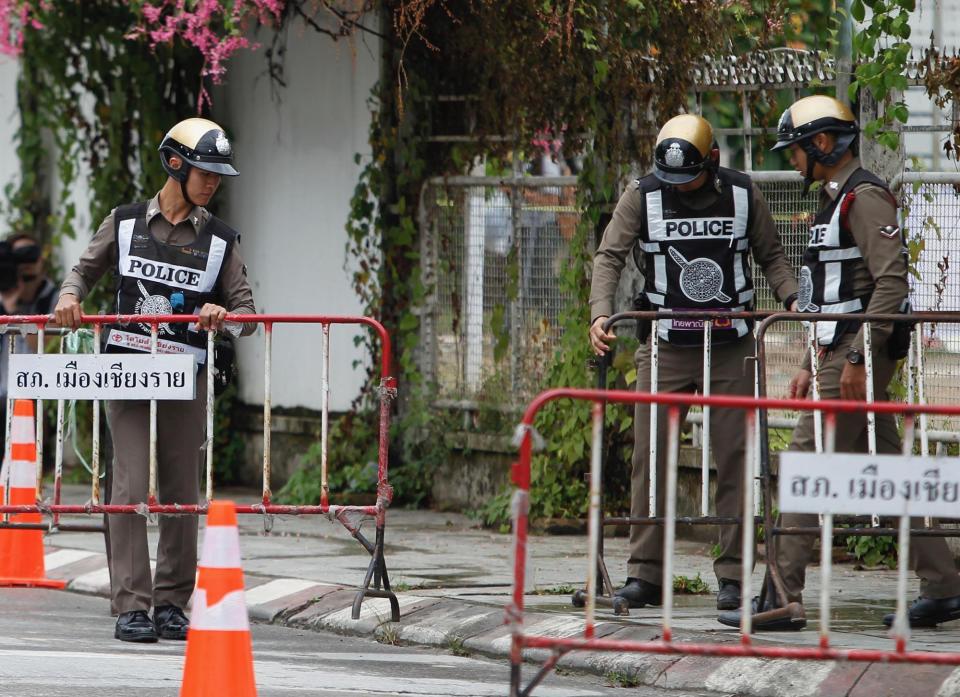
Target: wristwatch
x=855 y=357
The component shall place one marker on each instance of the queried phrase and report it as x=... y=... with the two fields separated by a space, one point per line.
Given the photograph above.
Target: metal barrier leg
x=603 y=594
x=871 y=416
x=377 y=569
x=772 y=577
x=377 y=573
x=6 y=439
x=901 y=623
x=544 y=671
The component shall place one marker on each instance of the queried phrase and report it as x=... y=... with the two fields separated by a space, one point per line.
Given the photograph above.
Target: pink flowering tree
x=15 y=16
x=216 y=28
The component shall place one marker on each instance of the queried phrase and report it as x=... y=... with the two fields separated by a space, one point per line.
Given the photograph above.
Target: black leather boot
x=929 y=612
x=640 y=593
x=135 y=626
x=171 y=623
x=728 y=597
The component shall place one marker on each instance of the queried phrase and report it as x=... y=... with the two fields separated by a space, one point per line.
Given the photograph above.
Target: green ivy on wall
x=94 y=103
x=93 y=107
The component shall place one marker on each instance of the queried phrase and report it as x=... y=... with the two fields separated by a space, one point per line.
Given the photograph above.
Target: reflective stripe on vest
x=705 y=274
x=830 y=262
x=154 y=277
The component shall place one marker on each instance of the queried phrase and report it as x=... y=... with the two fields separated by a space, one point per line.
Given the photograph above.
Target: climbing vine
x=105 y=78
x=104 y=100
x=881 y=50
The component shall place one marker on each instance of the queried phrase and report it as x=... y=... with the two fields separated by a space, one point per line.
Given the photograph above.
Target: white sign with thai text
x=102 y=376
x=867 y=484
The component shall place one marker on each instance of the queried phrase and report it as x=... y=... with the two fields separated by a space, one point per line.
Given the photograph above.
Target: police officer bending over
x=855 y=262
x=692 y=226
x=168 y=255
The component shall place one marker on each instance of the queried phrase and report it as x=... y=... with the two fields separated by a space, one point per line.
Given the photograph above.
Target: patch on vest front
x=153 y=305
x=701 y=280
x=805 y=291
x=696 y=325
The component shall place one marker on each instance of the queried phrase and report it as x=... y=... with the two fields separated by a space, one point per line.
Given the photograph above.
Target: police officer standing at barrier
x=692 y=226
x=169 y=255
x=855 y=262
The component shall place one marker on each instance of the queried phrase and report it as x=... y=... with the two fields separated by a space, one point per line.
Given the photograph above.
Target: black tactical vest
x=155 y=278
x=697 y=259
x=830 y=261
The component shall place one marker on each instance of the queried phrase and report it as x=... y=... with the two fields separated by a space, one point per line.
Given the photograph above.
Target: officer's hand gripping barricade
x=758 y=502
x=376 y=582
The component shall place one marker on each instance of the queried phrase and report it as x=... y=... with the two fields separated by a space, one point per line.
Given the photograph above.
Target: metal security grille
x=493 y=251
x=792 y=212
x=931 y=216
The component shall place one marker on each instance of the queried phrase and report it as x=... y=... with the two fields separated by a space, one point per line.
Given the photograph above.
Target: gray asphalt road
x=57 y=644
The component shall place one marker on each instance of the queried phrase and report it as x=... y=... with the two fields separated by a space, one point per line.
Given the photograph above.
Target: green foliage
x=562 y=67
x=690 y=585
x=562 y=589
x=457 y=646
x=228 y=446
x=352 y=461
x=621 y=678
x=105 y=102
x=874 y=551
x=881 y=49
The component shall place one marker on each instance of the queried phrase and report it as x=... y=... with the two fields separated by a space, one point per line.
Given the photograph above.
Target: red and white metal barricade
x=376 y=582
x=762 y=493
x=899 y=652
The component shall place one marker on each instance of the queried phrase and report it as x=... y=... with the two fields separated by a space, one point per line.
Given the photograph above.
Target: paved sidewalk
x=453 y=578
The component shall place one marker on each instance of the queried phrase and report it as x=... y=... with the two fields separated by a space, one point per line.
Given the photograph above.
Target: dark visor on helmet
x=677 y=175
x=222 y=168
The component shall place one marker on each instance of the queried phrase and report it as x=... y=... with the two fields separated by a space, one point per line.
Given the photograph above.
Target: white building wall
x=9 y=123
x=295 y=149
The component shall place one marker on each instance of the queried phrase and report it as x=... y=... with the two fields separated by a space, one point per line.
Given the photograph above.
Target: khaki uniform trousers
x=681 y=370
x=181 y=429
x=929 y=556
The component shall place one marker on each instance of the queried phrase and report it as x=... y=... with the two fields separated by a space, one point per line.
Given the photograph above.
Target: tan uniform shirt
x=100 y=256
x=623 y=233
x=883 y=268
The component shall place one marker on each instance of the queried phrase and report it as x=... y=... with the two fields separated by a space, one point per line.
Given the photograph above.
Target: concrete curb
x=459 y=626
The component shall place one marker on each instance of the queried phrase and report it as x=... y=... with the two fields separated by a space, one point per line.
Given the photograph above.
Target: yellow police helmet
x=817 y=114
x=199 y=143
x=683 y=149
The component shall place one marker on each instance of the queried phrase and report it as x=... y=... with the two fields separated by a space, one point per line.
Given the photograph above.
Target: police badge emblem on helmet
x=223 y=145
x=674 y=155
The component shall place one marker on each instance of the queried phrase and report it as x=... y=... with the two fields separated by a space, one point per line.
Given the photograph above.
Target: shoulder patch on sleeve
x=890 y=230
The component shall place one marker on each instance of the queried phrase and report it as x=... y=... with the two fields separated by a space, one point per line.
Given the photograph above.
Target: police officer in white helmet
x=693 y=228
x=169 y=255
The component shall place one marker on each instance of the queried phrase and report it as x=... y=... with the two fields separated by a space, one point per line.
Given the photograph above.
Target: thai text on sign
x=867 y=484
x=102 y=376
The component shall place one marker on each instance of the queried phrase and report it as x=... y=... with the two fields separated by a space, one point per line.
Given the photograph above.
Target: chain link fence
x=931 y=218
x=492 y=253
x=493 y=250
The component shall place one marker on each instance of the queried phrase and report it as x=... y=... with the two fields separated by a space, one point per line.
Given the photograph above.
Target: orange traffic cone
x=219 y=651
x=21 y=551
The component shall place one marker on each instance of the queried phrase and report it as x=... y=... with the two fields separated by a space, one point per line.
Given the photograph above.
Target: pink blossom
x=214 y=27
